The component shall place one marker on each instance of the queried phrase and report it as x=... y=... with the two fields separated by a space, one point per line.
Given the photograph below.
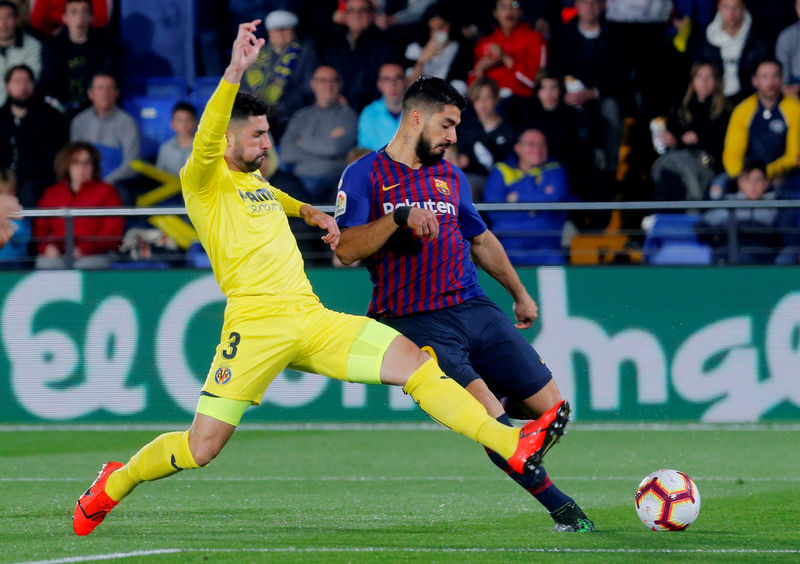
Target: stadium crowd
x=574 y=100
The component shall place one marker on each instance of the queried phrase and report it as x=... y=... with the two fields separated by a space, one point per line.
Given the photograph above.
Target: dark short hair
x=247 y=105
x=64 y=157
x=546 y=73
x=25 y=68
x=87 y=2
x=767 y=61
x=12 y=5
x=754 y=164
x=429 y=92
x=184 y=107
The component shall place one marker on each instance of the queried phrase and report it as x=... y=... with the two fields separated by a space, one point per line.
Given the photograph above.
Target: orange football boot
x=94 y=504
x=537 y=437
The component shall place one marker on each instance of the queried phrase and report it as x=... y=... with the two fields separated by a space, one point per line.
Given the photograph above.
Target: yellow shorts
x=262 y=336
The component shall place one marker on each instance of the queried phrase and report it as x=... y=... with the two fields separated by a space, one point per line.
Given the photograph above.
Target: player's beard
x=248 y=166
x=425 y=153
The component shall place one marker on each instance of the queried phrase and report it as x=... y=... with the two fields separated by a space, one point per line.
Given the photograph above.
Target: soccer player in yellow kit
x=273 y=319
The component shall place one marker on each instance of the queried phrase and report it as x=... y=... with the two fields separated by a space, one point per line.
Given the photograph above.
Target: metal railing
x=69 y=214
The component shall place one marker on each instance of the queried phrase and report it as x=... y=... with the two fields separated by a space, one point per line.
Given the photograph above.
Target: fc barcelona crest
x=441 y=186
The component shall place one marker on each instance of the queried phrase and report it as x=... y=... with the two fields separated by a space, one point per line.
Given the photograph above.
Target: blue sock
x=537 y=484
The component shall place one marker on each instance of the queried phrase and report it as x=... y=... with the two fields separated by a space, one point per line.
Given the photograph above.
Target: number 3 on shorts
x=234 y=343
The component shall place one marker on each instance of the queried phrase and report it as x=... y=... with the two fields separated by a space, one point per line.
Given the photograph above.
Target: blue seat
x=166 y=87
x=202 y=90
x=672 y=240
x=196 y=256
x=152 y=115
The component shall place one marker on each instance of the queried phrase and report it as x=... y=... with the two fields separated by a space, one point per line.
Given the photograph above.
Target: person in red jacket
x=512 y=54
x=78 y=168
x=46 y=15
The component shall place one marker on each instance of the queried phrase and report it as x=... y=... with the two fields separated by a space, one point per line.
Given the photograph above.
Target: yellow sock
x=165 y=455
x=454 y=407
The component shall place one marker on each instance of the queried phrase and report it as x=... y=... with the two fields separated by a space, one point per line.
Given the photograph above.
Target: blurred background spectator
x=484 y=137
x=78 y=170
x=512 y=54
x=379 y=120
x=694 y=136
x=281 y=74
x=529 y=237
x=31 y=133
x=16 y=46
x=109 y=128
x=172 y=154
x=442 y=53
x=357 y=52
x=733 y=45
x=47 y=15
x=76 y=53
x=759 y=241
x=319 y=136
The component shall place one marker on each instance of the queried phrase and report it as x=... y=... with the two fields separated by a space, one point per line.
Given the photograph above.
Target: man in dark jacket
x=31 y=133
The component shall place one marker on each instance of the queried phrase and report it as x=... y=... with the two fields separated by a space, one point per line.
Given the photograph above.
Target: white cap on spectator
x=280 y=19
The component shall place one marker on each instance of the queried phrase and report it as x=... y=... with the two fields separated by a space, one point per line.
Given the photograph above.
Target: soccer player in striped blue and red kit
x=408 y=214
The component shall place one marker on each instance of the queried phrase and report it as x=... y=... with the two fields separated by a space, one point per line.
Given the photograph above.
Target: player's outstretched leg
x=451 y=405
x=165 y=455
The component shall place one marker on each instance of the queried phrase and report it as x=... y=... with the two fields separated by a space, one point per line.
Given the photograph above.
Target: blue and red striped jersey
x=410 y=274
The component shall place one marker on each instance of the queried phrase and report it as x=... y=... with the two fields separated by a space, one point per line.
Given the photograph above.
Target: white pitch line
x=597 y=427
x=356 y=550
x=184 y=478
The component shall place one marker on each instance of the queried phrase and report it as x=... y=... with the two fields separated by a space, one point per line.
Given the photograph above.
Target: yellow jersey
x=240 y=218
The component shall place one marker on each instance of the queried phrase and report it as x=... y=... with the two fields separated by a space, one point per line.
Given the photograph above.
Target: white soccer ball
x=667 y=500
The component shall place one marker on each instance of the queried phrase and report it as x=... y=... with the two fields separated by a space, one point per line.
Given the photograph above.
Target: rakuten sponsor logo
x=439 y=207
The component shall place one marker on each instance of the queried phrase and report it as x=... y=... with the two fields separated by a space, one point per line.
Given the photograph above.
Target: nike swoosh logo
x=387 y=188
x=174 y=463
x=523 y=435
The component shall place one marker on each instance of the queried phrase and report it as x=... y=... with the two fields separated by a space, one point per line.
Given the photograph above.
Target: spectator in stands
x=319 y=136
x=282 y=72
x=787 y=51
x=571 y=143
x=695 y=133
x=512 y=54
x=734 y=46
x=592 y=62
x=78 y=170
x=484 y=137
x=109 y=128
x=172 y=154
x=357 y=53
x=529 y=237
x=74 y=56
x=643 y=27
x=31 y=133
x=759 y=240
x=15 y=232
x=409 y=14
x=16 y=46
x=567 y=129
x=379 y=120
x=443 y=55
x=47 y=15
x=764 y=127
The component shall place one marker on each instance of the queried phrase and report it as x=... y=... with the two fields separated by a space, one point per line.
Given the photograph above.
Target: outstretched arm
x=491 y=256
x=361 y=241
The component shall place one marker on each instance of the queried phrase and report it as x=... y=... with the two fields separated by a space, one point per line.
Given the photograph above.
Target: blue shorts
x=475 y=339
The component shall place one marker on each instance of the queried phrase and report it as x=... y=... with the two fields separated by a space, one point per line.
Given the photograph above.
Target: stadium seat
x=672 y=240
x=204 y=87
x=152 y=115
x=166 y=87
x=196 y=257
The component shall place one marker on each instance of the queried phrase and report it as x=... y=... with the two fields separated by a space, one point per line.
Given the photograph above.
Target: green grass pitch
x=393 y=495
